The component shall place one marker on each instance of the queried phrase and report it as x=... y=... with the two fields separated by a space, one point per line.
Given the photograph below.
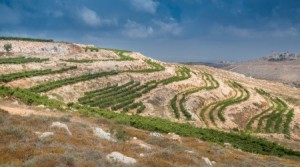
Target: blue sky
x=169 y=30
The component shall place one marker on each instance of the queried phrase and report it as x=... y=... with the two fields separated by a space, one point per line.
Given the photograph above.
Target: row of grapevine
x=240 y=94
x=91 y=49
x=154 y=67
x=209 y=83
x=21 y=60
x=26 y=39
x=55 y=84
x=79 y=60
x=29 y=97
x=182 y=73
x=123 y=57
x=118 y=97
x=275 y=119
x=24 y=74
x=123 y=96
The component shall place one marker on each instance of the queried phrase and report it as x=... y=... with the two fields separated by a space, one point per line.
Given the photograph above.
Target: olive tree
x=7 y=47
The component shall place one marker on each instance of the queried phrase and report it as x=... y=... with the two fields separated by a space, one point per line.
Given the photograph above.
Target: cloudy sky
x=169 y=30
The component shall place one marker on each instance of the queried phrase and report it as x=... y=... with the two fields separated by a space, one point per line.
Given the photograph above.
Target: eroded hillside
x=74 y=77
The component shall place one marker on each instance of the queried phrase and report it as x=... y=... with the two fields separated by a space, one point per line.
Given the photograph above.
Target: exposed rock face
x=39 y=47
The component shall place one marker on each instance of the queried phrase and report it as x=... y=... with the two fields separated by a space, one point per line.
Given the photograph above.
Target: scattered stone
x=45 y=135
x=189 y=151
x=208 y=161
x=156 y=134
x=41 y=106
x=175 y=137
x=142 y=154
x=61 y=125
x=119 y=157
x=103 y=135
x=134 y=138
x=145 y=146
x=227 y=145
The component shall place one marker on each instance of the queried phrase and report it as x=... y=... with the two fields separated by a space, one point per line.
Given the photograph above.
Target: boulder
x=62 y=126
x=119 y=157
x=103 y=135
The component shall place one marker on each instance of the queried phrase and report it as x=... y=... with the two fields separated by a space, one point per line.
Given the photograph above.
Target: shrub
x=7 y=47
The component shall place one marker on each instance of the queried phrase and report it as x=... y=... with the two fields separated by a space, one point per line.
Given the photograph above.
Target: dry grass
x=20 y=146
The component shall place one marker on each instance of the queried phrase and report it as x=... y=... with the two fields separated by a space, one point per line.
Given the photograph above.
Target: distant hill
x=279 y=66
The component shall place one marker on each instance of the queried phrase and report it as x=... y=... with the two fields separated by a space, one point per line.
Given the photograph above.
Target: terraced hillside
x=128 y=86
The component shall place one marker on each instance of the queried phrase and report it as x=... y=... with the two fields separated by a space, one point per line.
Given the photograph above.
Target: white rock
x=41 y=106
x=156 y=134
x=189 y=151
x=134 y=138
x=45 y=135
x=145 y=146
x=61 y=125
x=175 y=137
x=119 y=157
x=208 y=162
x=142 y=154
x=102 y=134
x=227 y=145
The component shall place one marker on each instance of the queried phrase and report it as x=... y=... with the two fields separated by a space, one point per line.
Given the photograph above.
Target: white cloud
x=149 y=6
x=136 y=30
x=91 y=18
x=157 y=28
x=171 y=27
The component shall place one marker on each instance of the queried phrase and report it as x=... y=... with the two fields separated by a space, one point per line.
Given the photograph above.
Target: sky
x=167 y=30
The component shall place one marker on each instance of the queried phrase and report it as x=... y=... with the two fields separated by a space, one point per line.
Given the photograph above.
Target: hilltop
x=109 y=100
x=279 y=66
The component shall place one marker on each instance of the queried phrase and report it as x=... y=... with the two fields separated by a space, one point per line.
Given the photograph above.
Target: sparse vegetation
x=21 y=60
x=7 y=47
x=24 y=74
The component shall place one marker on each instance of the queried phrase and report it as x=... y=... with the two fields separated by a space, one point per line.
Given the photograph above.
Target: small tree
x=8 y=47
